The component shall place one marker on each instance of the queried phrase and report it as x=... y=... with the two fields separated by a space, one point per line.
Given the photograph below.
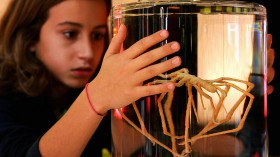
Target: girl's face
x=71 y=41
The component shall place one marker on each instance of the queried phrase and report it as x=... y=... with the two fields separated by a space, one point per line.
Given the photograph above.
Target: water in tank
x=219 y=105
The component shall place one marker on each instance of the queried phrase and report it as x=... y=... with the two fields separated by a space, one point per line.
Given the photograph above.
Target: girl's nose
x=86 y=49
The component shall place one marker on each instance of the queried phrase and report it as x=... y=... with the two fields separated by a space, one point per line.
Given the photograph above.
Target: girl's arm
x=119 y=83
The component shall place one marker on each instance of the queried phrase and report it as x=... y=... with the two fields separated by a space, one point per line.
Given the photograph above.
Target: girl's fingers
x=269 y=41
x=142 y=45
x=270 y=89
x=149 y=90
x=270 y=74
x=117 y=41
x=270 y=57
x=156 y=69
x=270 y=62
x=155 y=55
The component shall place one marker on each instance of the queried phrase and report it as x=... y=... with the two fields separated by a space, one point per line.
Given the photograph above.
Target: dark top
x=24 y=121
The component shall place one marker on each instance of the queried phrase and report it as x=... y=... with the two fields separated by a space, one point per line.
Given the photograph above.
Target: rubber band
x=91 y=105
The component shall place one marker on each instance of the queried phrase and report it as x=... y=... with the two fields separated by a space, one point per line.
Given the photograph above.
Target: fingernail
x=121 y=28
x=176 y=60
x=174 y=45
x=163 y=33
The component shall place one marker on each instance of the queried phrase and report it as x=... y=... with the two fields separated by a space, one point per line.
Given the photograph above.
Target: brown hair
x=21 y=71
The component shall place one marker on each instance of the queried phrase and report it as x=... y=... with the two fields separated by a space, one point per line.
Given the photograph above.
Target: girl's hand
x=121 y=77
x=270 y=61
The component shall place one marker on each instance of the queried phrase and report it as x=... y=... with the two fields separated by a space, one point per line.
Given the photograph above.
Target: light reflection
x=225 y=49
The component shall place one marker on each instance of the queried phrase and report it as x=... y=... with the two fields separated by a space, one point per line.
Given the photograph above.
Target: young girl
x=50 y=50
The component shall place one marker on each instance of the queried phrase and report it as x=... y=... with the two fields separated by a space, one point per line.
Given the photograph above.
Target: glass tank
x=219 y=105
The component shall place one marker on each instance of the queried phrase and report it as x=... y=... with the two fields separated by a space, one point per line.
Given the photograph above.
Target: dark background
x=274 y=98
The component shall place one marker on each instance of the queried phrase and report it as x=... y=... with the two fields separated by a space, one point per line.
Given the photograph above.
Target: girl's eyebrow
x=70 y=23
x=79 y=25
x=101 y=26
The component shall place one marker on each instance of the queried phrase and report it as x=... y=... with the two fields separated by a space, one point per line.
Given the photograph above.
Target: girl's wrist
x=92 y=105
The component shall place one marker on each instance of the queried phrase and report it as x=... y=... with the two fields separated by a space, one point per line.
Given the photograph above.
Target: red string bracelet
x=92 y=107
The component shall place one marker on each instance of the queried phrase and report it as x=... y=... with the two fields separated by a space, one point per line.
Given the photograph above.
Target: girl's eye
x=70 y=34
x=98 y=36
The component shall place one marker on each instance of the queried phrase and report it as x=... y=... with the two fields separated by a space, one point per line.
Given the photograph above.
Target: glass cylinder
x=219 y=105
